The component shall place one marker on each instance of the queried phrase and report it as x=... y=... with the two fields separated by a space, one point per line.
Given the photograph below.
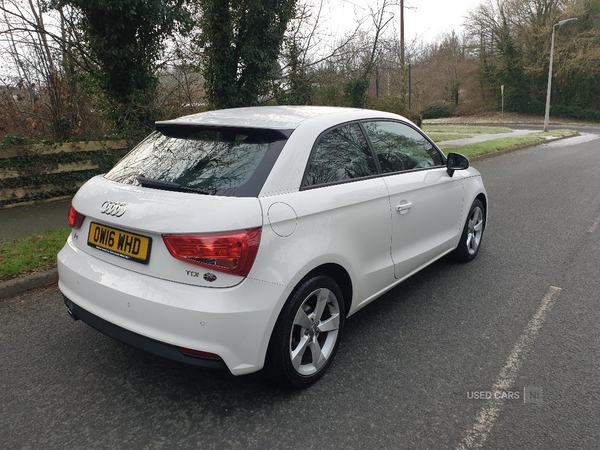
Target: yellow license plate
x=120 y=243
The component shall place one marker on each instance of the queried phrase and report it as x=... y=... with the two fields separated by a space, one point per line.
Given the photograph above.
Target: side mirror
x=456 y=161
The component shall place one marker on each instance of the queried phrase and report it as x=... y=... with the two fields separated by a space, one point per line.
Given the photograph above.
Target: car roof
x=269 y=117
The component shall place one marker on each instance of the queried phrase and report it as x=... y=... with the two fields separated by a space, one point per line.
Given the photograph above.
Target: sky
x=423 y=19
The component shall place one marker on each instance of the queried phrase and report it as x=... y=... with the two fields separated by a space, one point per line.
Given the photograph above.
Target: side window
x=340 y=154
x=399 y=147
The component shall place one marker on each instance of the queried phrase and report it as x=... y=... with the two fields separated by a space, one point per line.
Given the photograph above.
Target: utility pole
x=502 y=92
x=402 y=34
x=409 y=86
x=547 y=115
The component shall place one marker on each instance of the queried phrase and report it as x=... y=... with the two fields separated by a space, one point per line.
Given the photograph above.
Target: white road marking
x=594 y=227
x=582 y=139
x=485 y=420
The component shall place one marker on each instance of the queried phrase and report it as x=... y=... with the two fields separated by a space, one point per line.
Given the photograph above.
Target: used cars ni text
x=243 y=238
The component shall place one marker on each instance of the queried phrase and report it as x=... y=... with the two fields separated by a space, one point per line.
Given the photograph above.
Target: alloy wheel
x=474 y=230
x=314 y=332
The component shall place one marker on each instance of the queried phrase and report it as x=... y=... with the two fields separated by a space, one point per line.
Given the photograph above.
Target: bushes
x=437 y=111
x=390 y=104
x=575 y=112
x=355 y=92
x=328 y=95
x=394 y=105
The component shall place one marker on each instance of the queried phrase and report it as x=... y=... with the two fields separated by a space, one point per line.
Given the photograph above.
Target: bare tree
x=32 y=43
x=358 y=57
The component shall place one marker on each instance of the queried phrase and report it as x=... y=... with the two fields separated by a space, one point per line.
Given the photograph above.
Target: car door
x=343 y=209
x=426 y=202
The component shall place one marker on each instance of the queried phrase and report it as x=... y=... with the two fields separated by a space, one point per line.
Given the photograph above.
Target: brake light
x=75 y=219
x=231 y=252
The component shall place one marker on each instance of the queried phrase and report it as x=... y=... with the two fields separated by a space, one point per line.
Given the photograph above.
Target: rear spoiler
x=174 y=129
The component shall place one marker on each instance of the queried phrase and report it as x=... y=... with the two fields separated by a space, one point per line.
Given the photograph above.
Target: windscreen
x=214 y=161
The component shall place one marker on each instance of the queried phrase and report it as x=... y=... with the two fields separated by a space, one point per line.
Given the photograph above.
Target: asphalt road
x=524 y=314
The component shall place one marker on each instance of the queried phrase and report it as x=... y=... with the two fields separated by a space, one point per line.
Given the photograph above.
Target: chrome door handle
x=403 y=207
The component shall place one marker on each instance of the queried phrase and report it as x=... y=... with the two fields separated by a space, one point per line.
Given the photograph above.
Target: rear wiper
x=170 y=186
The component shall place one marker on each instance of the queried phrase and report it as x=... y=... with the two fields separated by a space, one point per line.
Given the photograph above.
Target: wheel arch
x=340 y=276
x=278 y=362
x=483 y=199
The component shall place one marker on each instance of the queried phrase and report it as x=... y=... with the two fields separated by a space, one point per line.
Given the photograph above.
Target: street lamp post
x=547 y=116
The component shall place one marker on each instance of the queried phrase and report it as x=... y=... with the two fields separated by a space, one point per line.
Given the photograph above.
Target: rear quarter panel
x=347 y=224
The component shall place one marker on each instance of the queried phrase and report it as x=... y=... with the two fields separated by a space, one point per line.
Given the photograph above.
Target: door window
x=399 y=147
x=340 y=154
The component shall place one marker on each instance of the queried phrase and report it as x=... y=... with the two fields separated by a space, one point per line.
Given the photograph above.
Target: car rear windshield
x=215 y=161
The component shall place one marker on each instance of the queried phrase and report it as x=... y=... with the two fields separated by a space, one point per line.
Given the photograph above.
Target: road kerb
x=23 y=284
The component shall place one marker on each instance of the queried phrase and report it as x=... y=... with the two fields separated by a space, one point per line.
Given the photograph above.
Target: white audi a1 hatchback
x=243 y=238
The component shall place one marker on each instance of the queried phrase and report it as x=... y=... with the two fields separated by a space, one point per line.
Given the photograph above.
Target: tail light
x=75 y=219
x=232 y=252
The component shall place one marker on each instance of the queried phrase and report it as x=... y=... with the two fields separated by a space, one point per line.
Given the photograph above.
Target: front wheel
x=307 y=333
x=470 y=240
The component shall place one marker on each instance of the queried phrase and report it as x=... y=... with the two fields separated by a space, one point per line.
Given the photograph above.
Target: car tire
x=307 y=333
x=472 y=234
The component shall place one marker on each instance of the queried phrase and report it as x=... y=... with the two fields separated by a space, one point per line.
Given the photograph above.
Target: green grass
x=466 y=129
x=564 y=132
x=31 y=254
x=441 y=137
x=484 y=148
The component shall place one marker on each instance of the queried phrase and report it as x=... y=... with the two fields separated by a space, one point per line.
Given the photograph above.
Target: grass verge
x=466 y=129
x=31 y=254
x=441 y=137
x=487 y=147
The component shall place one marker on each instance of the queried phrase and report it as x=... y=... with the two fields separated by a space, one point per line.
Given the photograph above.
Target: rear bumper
x=234 y=323
x=139 y=341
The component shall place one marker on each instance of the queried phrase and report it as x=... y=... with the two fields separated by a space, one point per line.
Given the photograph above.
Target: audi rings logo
x=113 y=209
